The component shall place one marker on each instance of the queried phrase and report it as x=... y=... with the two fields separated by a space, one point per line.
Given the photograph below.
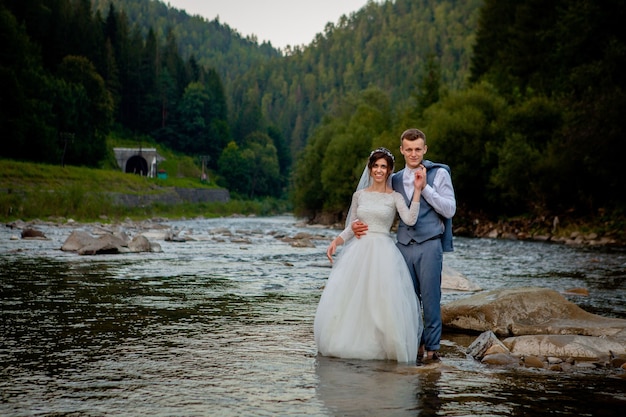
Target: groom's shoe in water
x=432 y=357
x=420 y=354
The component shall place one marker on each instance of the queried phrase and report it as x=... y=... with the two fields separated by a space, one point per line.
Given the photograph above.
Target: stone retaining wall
x=172 y=195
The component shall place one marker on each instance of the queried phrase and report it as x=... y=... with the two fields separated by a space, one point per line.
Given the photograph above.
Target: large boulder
x=565 y=346
x=105 y=244
x=527 y=311
x=85 y=243
x=139 y=243
x=34 y=234
x=76 y=240
x=541 y=329
x=556 y=352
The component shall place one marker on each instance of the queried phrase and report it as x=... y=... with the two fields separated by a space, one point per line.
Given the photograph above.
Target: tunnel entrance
x=137 y=165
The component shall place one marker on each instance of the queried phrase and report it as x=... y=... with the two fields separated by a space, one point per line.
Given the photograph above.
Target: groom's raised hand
x=359 y=228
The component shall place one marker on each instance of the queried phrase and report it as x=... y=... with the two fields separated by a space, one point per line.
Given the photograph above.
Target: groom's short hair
x=412 y=134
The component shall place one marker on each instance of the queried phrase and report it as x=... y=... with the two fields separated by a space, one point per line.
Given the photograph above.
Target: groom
x=423 y=245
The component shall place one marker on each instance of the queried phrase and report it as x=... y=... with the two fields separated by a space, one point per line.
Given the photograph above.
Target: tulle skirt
x=368 y=309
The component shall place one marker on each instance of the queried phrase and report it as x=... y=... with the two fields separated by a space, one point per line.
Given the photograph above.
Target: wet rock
x=221 y=231
x=76 y=240
x=139 y=244
x=85 y=243
x=155 y=247
x=528 y=311
x=33 y=234
x=501 y=359
x=163 y=234
x=301 y=240
x=303 y=235
x=451 y=279
x=302 y=243
x=486 y=344
x=533 y=362
x=563 y=346
x=618 y=361
x=554 y=361
x=577 y=291
x=105 y=244
x=241 y=240
x=17 y=224
x=536 y=322
x=178 y=238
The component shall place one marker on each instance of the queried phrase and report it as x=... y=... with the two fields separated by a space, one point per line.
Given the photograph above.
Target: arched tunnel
x=137 y=165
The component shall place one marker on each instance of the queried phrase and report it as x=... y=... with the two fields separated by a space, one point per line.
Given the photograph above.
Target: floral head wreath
x=385 y=151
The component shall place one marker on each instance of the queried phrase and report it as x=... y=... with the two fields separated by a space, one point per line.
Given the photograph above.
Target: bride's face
x=380 y=170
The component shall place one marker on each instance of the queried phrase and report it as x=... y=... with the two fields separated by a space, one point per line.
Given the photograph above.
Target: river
x=221 y=325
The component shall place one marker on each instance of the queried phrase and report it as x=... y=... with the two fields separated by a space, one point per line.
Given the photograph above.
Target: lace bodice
x=378 y=211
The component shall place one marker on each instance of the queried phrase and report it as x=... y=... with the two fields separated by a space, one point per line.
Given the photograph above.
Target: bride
x=369 y=309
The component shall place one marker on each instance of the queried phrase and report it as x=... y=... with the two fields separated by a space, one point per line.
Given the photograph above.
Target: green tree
x=252 y=170
x=574 y=54
x=525 y=167
x=427 y=90
x=465 y=131
x=233 y=169
x=333 y=161
x=87 y=111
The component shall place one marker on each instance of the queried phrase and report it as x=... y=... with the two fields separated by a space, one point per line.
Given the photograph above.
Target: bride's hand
x=332 y=248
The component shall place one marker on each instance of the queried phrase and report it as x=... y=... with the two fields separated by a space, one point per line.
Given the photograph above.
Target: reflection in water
x=367 y=388
x=214 y=326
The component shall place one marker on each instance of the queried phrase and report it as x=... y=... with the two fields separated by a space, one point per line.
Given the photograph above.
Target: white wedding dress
x=368 y=309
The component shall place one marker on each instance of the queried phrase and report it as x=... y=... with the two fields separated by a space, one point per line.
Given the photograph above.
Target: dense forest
x=536 y=130
x=522 y=99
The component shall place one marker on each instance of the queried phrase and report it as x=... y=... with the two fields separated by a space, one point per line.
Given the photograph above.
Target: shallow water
x=222 y=325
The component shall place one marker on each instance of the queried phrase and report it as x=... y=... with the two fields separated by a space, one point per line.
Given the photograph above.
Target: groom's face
x=413 y=152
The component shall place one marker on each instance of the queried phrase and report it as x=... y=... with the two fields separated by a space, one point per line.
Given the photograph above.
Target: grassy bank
x=38 y=191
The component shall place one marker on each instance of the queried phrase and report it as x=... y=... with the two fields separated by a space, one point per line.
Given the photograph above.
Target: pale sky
x=282 y=22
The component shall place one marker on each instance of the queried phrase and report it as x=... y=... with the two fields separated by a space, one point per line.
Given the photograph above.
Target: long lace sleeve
x=347 y=233
x=408 y=215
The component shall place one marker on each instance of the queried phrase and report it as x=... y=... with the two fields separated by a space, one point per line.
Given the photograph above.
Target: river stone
x=501 y=359
x=486 y=344
x=155 y=247
x=33 y=234
x=76 y=240
x=451 y=279
x=533 y=361
x=527 y=311
x=565 y=346
x=105 y=244
x=162 y=234
x=139 y=244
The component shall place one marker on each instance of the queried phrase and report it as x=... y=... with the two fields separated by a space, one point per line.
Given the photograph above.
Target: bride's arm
x=347 y=233
x=409 y=215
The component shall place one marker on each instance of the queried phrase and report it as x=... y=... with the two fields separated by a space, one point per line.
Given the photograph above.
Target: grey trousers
x=425 y=262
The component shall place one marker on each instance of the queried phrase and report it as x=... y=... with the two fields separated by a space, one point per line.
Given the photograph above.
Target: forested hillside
x=538 y=131
x=198 y=87
x=213 y=43
x=384 y=44
x=523 y=99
